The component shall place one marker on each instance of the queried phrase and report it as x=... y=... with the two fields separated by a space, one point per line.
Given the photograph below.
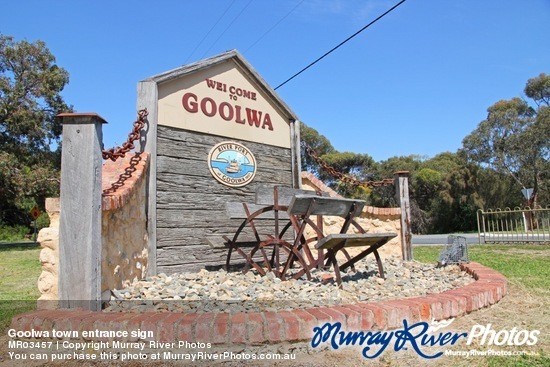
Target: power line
x=227 y=28
x=340 y=44
x=273 y=27
x=208 y=33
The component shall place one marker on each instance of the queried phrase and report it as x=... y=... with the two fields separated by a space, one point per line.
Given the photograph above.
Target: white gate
x=525 y=225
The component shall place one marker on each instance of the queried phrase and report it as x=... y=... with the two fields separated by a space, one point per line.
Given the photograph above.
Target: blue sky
x=416 y=82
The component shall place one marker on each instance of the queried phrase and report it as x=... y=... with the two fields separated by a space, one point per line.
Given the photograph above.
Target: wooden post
x=147 y=98
x=296 y=154
x=80 y=212
x=402 y=194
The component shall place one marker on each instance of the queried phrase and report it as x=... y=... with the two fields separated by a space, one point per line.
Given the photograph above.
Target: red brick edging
x=282 y=326
x=120 y=177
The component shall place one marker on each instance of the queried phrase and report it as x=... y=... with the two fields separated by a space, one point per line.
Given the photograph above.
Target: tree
x=426 y=185
x=385 y=196
x=456 y=203
x=360 y=167
x=514 y=138
x=538 y=89
x=318 y=142
x=410 y=163
x=444 y=163
x=30 y=87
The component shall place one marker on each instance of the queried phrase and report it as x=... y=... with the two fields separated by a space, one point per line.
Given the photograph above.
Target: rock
x=236 y=292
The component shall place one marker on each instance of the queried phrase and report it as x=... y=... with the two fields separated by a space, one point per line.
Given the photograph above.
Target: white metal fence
x=527 y=225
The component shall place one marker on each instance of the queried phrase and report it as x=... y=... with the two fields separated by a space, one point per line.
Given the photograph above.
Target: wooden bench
x=271 y=204
x=292 y=210
x=307 y=205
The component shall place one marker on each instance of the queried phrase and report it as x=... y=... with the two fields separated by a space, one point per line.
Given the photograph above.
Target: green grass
x=520 y=361
x=19 y=272
x=525 y=265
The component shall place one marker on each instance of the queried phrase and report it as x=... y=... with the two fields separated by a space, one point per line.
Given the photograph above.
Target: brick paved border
x=283 y=326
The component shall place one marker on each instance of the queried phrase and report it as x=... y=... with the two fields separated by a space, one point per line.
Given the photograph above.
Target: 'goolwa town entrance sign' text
x=216 y=130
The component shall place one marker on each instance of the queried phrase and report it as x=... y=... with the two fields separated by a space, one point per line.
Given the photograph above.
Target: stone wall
x=49 y=255
x=124 y=230
x=124 y=221
x=372 y=220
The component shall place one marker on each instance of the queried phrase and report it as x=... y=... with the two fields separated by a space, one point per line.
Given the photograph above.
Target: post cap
x=81 y=118
x=402 y=173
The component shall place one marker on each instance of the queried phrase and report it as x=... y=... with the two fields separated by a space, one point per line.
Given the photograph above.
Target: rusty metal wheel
x=271 y=252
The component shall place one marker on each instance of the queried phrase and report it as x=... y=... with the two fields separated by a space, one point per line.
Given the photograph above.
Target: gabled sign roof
x=232 y=56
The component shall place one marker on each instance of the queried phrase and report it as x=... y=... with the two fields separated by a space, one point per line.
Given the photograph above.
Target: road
x=441 y=239
x=21 y=243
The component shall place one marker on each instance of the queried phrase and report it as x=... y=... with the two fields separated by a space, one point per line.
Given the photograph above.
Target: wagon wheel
x=277 y=242
x=259 y=243
x=321 y=262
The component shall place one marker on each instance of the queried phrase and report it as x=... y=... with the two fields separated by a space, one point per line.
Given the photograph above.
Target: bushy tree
x=456 y=203
x=410 y=163
x=427 y=184
x=514 y=138
x=30 y=87
x=444 y=163
x=318 y=142
x=358 y=166
x=538 y=89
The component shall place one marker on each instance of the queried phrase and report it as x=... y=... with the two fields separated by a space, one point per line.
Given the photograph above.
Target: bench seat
x=353 y=240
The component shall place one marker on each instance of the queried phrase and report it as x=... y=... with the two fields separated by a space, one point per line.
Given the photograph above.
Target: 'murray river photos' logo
x=232 y=164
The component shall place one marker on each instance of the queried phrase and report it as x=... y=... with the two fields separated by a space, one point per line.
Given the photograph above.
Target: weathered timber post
x=402 y=194
x=147 y=98
x=80 y=212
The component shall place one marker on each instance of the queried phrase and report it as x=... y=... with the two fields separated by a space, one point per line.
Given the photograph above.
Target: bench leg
x=332 y=259
x=348 y=258
x=380 y=266
x=373 y=249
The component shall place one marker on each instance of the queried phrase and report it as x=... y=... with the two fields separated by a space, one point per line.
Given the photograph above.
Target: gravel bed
x=221 y=291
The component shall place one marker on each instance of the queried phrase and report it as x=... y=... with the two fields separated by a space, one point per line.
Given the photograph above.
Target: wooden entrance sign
x=216 y=131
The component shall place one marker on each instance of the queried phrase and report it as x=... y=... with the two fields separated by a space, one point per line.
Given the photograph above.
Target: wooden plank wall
x=191 y=204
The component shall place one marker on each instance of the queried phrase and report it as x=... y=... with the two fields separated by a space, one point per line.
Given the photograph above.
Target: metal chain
x=114 y=153
x=342 y=177
x=128 y=172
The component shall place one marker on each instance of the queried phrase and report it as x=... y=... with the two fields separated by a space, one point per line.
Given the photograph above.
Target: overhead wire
x=273 y=27
x=227 y=28
x=211 y=29
x=340 y=44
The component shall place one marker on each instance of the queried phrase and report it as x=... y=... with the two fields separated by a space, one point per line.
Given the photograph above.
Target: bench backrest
x=265 y=194
x=235 y=210
x=324 y=205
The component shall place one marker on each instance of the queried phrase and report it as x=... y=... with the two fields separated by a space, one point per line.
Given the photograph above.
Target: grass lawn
x=526 y=305
x=523 y=265
x=19 y=272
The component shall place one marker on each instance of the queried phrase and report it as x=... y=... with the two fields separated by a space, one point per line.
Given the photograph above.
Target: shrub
x=43 y=221
x=13 y=233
